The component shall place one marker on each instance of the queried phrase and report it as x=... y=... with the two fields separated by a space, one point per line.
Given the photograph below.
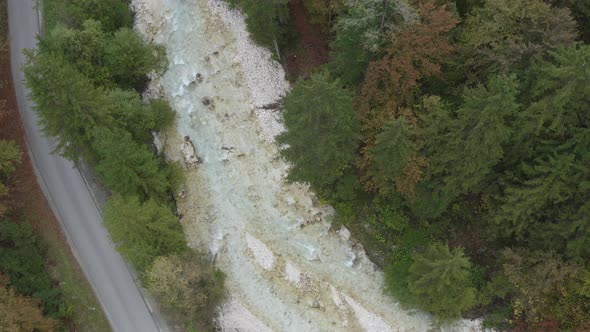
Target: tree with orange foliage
x=20 y=313
x=392 y=82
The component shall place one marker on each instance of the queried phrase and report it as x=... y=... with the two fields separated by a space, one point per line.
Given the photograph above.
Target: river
x=286 y=270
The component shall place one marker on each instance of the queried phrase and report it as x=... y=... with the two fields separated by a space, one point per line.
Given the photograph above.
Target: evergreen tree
x=580 y=10
x=440 y=280
x=323 y=12
x=129 y=59
x=127 y=167
x=548 y=185
x=143 y=231
x=394 y=150
x=507 y=35
x=322 y=131
x=22 y=259
x=10 y=157
x=266 y=20
x=125 y=110
x=84 y=49
x=66 y=101
x=474 y=143
x=113 y=14
x=121 y=59
x=70 y=106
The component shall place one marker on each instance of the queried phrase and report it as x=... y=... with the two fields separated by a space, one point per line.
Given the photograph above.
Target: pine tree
x=128 y=168
x=70 y=106
x=266 y=20
x=322 y=131
x=143 y=231
x=393 y=152
x=113 y=14
x=84 y=49
x=66 y=101
x=474 y=143
x=508 y=35
x=121 y=59
x=440 y=280
x=549 y=182
x=129 y=59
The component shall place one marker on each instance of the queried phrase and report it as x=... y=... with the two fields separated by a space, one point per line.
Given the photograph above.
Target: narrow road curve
x=70 y=198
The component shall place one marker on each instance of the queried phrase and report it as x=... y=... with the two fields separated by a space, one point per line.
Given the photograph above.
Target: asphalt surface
x=71 y=199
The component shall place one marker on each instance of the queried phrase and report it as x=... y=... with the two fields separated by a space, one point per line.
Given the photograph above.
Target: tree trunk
x=274 y=41
x=330 y=9
x=384 y=15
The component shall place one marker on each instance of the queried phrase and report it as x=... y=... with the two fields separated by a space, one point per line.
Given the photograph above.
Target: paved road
x=71 y=200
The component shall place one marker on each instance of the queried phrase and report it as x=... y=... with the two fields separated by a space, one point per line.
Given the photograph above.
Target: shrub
x=186 y=285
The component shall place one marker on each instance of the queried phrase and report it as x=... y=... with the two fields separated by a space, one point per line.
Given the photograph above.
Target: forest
x=451 y=138
x=449 y=135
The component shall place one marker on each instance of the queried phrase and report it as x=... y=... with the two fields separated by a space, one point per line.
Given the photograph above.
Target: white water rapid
x=281 y=275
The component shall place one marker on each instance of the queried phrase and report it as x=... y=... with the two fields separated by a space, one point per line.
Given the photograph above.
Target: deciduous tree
x=541 y=280
x=362 y=32
x=20 y=313
x=391 y=83
x=186 y=285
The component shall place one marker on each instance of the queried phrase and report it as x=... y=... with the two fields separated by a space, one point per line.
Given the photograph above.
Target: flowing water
x=286 y=270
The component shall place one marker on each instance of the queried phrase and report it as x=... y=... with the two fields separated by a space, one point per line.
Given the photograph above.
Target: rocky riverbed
x=286 y=269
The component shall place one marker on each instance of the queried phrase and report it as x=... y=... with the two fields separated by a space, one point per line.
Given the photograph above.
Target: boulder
x=189 y=153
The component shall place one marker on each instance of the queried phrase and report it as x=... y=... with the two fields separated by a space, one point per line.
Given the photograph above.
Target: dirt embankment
x=311 y=50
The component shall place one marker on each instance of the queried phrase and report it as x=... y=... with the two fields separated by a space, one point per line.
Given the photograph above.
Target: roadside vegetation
x=28 y=299
x=41 y=286
x=86 y=78
x=460 y=157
